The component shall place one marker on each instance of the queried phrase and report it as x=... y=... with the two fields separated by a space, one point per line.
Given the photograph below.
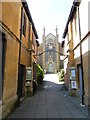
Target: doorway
x=80 y=83
x=50 y=68
x=2 y=61
x=21 y=80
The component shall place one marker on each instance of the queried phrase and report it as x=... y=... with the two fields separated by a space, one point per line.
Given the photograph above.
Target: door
x=21 y=81
x=50 y=68
x=80 y=81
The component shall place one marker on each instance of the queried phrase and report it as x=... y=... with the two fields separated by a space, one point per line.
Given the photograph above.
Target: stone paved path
x=50 y=102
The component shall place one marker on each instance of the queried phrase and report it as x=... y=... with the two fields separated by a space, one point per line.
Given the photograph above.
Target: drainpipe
x=81 y=58
x=18 y=90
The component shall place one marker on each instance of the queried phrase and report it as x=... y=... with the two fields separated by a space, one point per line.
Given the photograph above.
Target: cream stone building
x=77 y=37
x=49 y=53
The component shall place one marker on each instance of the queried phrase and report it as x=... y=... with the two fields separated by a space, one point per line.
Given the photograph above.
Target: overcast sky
x=50 y=13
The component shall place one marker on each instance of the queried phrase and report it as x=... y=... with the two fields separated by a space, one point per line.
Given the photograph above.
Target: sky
x=49 y=14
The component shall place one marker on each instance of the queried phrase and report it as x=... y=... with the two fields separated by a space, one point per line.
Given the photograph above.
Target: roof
x=25 y=5
x=72 y=12
x=37 y=43
x=50 y=34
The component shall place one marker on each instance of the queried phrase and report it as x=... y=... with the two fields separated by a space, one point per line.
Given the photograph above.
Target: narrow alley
x=50 y=101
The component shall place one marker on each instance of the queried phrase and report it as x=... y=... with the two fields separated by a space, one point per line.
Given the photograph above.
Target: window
x=24 y=25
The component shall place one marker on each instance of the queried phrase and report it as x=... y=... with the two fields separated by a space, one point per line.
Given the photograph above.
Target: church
x=49 y=53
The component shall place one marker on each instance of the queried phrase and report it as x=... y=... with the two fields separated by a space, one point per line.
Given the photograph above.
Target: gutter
x=81 y=58
x=37 y=43
x=18 y=90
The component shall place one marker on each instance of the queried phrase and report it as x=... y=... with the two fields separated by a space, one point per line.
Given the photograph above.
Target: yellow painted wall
x=11 y=17
x=11 y=68
x=0 y=10
x=25 y=38
x=25 y=57
x=11 y=13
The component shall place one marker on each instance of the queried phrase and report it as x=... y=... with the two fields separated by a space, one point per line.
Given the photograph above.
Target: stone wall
x=10 y=73
x=11 y=16
x=86 y=68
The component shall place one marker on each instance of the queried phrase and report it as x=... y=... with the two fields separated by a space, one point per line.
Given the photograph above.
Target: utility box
x=29 y=82
x=72 y=83
x=28 y=74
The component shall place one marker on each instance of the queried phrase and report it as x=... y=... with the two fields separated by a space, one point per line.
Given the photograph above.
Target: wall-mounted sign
x=73 y=85
x=28 y=73
x=72 y=73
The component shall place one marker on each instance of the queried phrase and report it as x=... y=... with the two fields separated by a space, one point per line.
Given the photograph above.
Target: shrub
x=40 y=74
x=61 y=75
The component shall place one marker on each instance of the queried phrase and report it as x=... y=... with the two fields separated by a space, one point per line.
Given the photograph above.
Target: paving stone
x=50 y=102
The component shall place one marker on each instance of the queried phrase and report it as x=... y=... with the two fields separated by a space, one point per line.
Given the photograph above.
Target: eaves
x=25 y=5
x=72 y=12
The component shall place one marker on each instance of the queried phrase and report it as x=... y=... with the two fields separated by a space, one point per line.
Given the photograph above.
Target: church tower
x=57 y=49
x=50 y=56
x=44 y=43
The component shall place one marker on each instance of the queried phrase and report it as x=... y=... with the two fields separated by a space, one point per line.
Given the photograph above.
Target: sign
x=72 y=73
x=28 y=73
x=73 y=85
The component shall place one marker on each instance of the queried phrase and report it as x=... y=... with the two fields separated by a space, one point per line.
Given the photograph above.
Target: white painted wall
x=84 y=17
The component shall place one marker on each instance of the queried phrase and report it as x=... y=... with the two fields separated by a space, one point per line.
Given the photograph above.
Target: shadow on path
x=50 y=86
x=50 y=101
